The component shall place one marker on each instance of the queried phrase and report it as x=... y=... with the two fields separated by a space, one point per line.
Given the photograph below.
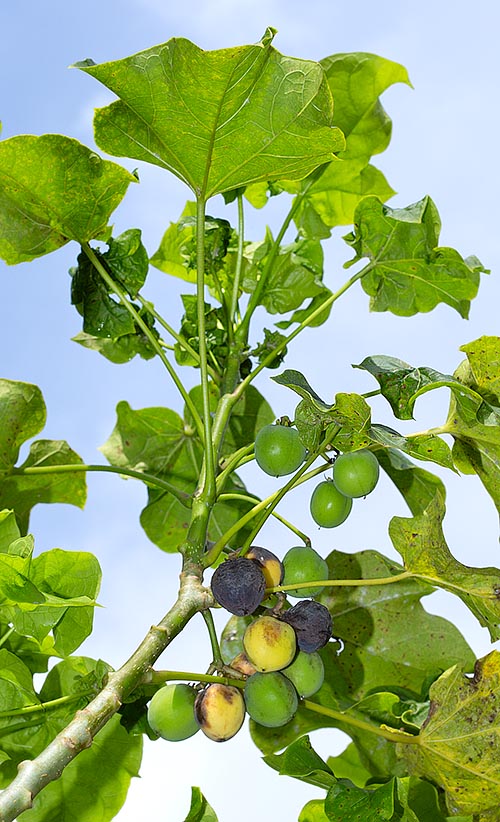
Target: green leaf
x=216 y=338
x=313 y=811
x=103 y=315
x=93 y=787
x=347 y=803
x=219 y=119
x=128 y=260
x=421 y=543
x=22 y=415
x=348 y=765
x=417 y=486
x=356 y=81
x=16 y=683
x=296 y=275
x=408 y=272
x=22 y=491
x=9 y=530
x=52 y=190
x=120 y=349
x=200 y=810
x=34 y=654
x=231 y=641
x=298 y=383
x=427 y=447
x=301 y=761
x=458 y=747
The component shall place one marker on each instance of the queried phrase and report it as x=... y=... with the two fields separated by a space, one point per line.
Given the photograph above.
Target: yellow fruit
x=269 y=644
x=220 y=711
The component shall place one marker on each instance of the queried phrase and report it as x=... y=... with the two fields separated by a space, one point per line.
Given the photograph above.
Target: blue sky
x=445 y=143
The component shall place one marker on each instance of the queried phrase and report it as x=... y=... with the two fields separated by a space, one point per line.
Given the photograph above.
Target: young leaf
x=421 y=543
x=52 y=190
x=22 y=491
x=200 y=810
x=408 y=272
x=103 y=315
x=128 y=261
x=218 y=119
x=95 y=783
x=301 y=761
x=458 y=747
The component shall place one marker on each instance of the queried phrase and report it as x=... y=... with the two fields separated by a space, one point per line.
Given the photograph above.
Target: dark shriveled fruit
x=219 y=711
x=238 y=585
x=312 y=624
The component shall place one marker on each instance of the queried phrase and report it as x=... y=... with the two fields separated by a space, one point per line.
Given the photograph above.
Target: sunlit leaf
x=218 y=119
x=407 y=272
x=200 y=810
x=52 y=190
x=22 y=415
x=421 y=543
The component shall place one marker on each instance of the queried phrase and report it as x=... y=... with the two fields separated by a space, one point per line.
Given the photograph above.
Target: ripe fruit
x=356 y=473
x=303 y=564
x=242 y=664
x=171 y=712
x=269 y=644
x=271 y=699
x=278 y=450
x=268 y=563
x=306 y=672
x=311 y=622
x=220 y=711
x=329 y=507
x=238 y=585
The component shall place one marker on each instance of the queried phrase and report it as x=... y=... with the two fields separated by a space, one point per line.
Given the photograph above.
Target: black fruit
x=238 y=585
x=312 y=624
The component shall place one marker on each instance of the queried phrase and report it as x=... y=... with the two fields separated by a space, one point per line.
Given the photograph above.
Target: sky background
x=445 y=143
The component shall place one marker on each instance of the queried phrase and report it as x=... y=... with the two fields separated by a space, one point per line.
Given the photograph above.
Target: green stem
x=115 y=288
x=233 y=308
x=236 y=460
x=6 y=635
x=45 y=706
x=393 y=735
x=216 y=549
x=285 y=522
x=375 y=393
x=149 y=479
x=342 y=583
x=173 y=333
x=306 y=322
x=208 y=473
x=216 y=654
x=159 y=677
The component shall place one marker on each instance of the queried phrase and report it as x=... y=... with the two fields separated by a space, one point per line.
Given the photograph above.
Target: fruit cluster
x=280 y=663
x=279 y=451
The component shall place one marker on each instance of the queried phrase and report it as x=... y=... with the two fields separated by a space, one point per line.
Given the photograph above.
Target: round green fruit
x=278 y=450
x=171 y=712
x=220 y=711
x=304 y=564
x=306 y=673
x=271 y=699
x=269 y=644
x=329 y=507
x=356 y=473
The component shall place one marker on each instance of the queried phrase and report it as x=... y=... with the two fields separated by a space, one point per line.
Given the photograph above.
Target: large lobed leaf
x=421 y=543
x=52 y=190
x=218 y=119
x=408 y=272
x=458 y=747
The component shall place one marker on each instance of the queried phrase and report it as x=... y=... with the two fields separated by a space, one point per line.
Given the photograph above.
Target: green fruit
x=304 y=564
x=329 y=507
x=269 y=644
x=356 y=473
x=271 y=699
x=171 y=712
x=306 y=672
x=278 y=450
x=220 y=711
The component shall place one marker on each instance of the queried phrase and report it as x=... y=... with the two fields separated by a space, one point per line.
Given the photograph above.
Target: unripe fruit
x=269 y=644
x=306 y=673
x=356 y=473
x=271 y=699
x=238 y=585
x=268 y=563
x=220 y=711
x=278 y=450
x=329 y=507
x=312 y=624
x=171 y=712
x=303 y=564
